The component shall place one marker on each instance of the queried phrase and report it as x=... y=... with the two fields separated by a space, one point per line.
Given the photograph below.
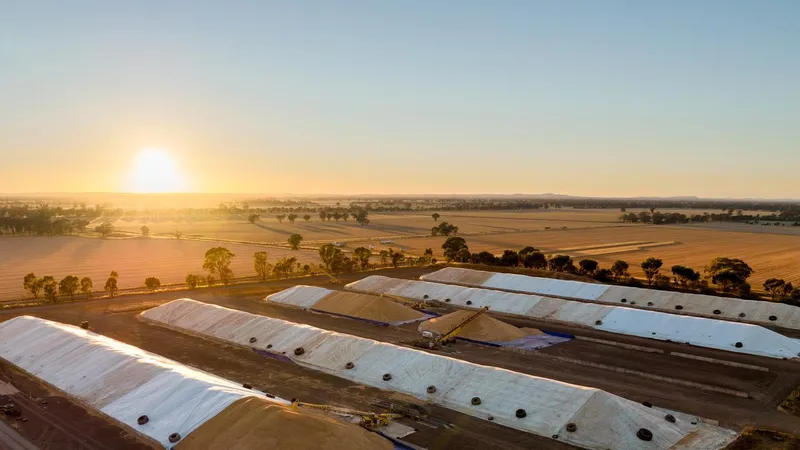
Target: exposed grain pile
x=367 y=307
x=483 y=328
x=252 y=423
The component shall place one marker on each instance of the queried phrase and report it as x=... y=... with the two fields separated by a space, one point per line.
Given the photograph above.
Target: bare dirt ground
x=50 y=421
x=579 y=361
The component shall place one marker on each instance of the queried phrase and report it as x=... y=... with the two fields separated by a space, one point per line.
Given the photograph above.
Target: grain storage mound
x=576 y=415
x=684 y=303
x=702 y=332
x=483 y=328
x=252 y=423
x=349 y=304
x=163 y=402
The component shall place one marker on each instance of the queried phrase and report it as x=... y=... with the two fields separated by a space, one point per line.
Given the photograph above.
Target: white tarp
x=304 y=297
x=603 y=420
x=761 y=312
x=122 y=381
x=702 y=332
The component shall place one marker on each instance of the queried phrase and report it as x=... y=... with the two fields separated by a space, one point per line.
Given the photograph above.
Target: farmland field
x=597 y=234
x=269 y=230
x=770 y=255
x=134 y=259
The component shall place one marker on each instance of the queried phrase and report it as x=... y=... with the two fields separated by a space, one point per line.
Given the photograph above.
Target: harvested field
x=609 y=250
x=389 y=225
x=770 y=255
x=133 y=259
x=483 y=328
x=367 y=307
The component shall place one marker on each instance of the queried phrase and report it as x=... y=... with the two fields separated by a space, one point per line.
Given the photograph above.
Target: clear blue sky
x=610 y=98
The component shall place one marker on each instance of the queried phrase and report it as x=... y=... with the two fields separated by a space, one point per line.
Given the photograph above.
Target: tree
x=452 y=246
x=307 y=218
x=292 y=217
x=105 y=229
x=397 y=258
x=362 y=255
x=526 y=250
x=261 y=265
x=152 y=283
x=509 y=258
x=463 y=255
x=323 y=215
x=619 y=269
x=561 y=263
x=534 y=260
x=602 y=274
x=588 y=266
x=428 y=255
x=284 y=266
x=111 y=283
x=145 y=230
x=384 y=254
x=651 y=266
x=253 y=217
x=178 y=234
x=362 y=217
x=50 y=288
x=444 y=229
x=775 y=287
x=787 y=290
x=86 y=286
x=728 y=273
x=294 y=241
x=217 y=262
x=33 y=284
x=435 y=217
x=337 y=216
x=484 y=257
x=331 y=257
x=685 y=276
x=661 y=281
x=280 y=217
x=192 y=281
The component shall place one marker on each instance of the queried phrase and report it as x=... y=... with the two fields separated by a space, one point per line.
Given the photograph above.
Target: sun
x=154 y=171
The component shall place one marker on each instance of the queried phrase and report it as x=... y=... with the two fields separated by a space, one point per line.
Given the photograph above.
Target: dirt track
x=766 y=389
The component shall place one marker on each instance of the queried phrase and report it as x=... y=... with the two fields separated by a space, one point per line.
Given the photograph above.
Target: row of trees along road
x=68 y=286
x=360 y=215
x=728 y=275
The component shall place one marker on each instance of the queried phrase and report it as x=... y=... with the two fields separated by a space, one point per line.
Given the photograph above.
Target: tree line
x=360 y=215
x=729 y=275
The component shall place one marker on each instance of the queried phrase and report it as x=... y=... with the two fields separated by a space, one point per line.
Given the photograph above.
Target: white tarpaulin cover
x=702 y=332
x=768 y=313
x=122 y=381
x=304 y=297
x=601 y=420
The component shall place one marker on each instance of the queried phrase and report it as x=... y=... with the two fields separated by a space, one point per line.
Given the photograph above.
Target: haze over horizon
x=602 y=99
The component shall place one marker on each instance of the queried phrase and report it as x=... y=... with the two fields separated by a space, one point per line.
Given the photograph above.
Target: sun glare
x=154 y=171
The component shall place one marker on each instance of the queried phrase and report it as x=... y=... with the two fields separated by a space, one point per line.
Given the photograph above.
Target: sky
x=599 y=98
